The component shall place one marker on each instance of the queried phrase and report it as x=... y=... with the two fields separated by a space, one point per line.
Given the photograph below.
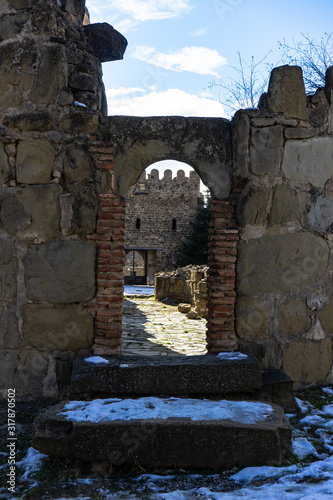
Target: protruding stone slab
x=246 y=433
x=173 y=376
x=286 y=92
x=107 y=43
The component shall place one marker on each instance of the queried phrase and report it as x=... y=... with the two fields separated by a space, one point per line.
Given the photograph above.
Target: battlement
x=167 y=185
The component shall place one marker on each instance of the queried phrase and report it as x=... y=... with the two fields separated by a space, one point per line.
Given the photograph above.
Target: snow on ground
x=98 y=410
x=138 y=290
x=309 y=478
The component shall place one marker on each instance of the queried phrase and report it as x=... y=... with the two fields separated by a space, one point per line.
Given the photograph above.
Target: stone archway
x=135 y=143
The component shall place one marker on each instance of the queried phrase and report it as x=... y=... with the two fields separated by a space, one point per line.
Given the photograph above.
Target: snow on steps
x=165 y=432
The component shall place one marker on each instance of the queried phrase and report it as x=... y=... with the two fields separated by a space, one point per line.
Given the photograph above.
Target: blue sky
x=177 y=47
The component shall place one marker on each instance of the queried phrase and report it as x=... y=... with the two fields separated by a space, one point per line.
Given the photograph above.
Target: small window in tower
x=174 y=224
x=138 y=224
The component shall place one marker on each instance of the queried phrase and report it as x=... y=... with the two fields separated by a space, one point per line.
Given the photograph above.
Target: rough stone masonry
x=65 y=171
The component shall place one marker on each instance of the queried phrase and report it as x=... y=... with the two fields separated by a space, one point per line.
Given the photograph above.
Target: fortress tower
x=158 y=216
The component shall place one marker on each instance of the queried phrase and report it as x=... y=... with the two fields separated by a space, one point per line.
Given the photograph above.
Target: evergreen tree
x=194 y=248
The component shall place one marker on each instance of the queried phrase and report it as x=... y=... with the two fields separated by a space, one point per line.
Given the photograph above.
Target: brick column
x=222 y=254
x=110 y=238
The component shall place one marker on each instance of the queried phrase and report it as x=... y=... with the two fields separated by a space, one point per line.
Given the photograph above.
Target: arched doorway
x=137 y=142
x=160 y=210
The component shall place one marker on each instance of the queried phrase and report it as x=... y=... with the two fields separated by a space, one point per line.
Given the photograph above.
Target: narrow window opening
x=138 y=224
x=174 y=224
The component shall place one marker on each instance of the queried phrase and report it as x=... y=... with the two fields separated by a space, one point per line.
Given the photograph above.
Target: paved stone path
x=152 y=328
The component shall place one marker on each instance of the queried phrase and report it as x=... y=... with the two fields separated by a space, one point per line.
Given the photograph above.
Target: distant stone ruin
x=65 y=172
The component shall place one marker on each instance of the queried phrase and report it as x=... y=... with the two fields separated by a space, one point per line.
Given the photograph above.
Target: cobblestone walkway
x=152 y=328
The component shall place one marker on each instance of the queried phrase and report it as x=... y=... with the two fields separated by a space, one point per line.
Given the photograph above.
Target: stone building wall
x=65 y=171
x=51 y=102
x=284 y=154
x=163 y=209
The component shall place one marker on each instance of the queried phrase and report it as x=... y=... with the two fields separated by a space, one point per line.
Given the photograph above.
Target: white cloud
x=148 y=10
x=137 y=10
x=199 y=60
x=199 y=32
x=119 y=91
x=168 y=103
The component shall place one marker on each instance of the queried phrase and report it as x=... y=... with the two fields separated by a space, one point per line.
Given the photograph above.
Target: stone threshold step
x=206 y=374
x=165 y=432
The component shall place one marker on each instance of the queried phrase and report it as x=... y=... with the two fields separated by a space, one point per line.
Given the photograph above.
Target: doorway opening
x=160 y=209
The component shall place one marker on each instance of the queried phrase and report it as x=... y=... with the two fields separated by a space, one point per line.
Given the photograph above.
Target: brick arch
x=131 y=145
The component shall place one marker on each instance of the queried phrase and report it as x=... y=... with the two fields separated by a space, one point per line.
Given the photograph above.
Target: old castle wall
x=159 y=213
x=65 y=171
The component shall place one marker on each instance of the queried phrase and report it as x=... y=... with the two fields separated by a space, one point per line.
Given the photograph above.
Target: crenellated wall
x=165 y=209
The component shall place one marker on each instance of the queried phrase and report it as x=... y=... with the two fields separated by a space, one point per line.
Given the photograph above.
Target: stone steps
x=198 y=438
x=171 y=442
x=162 y=375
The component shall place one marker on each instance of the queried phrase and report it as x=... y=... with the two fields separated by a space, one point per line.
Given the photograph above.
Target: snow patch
x=96 y=360
x=231 y=355
x=98 y=410
x=302 y=447
x=31 y=463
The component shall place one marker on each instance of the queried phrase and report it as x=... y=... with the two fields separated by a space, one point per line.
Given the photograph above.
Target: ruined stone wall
x=165 y=209
x=284 y=154
x=51 y=102
x=187 y=284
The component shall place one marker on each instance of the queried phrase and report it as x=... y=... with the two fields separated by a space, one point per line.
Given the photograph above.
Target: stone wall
x=65 y=172
x=284 y=154
x=51 y=102
x=187 y=284
x=165 y=208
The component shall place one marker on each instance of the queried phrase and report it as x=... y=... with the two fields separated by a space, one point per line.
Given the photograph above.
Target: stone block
x=10 y=328
x=310 y=160
x=11 y=25
x=326 y=317
x=184 y=308
x=280 y=263
x=172 y=376
x=85 y=208
x=294 y=316
x=78 y=164
x=83 y=81
x=252 y=319
x=32 y=211
x=266 y=150
x=34 y=163
x=252 y=205
x=285 y=207
x=61 y=272
x=8 y=270
x=320 y=214
x=68 y=328
x=52 y=74
x=286 y=92
x=107 y=43
x=25 y=370
x=329 y=83
x=39 y=122
x=173 y=442
x=4 y=166
x=240 y=144
x=308 y=361
x=22 y=4
x=83 y=121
